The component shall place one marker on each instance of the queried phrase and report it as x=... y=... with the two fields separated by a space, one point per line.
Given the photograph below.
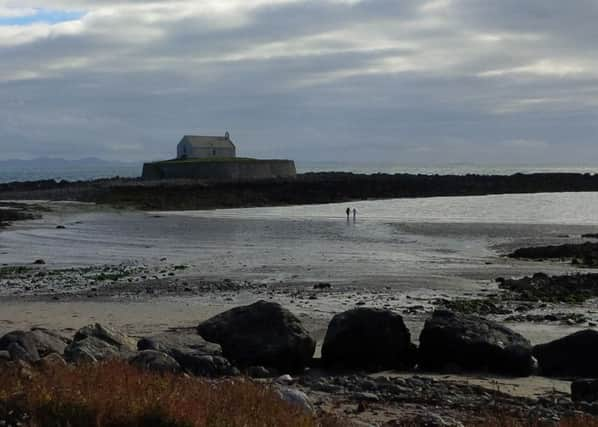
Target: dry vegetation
x=115 y=394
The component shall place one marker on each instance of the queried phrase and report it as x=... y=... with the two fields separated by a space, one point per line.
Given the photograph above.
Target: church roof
x=208 y=141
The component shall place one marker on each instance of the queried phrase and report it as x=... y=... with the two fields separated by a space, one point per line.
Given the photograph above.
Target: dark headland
x=307 y=188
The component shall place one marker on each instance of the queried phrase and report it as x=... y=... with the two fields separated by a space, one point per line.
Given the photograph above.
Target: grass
x=115 y=394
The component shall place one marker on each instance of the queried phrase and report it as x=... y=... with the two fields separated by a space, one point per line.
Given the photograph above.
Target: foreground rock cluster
x=266 y=340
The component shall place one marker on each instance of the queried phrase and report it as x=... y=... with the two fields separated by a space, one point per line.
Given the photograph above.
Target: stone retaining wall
x=231 y=170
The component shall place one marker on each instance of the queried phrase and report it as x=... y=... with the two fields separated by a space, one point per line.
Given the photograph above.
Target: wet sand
x=273 y=253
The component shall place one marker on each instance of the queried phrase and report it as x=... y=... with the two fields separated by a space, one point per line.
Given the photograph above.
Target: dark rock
x=481 y=307
x=39 y=262
x=60 y=227
x=91 y=350
x=155 y=361
x=204 y=365
x=322 y=285
x=368 y=338
x=168 y=342
x=472 y=343
x=193 y=353
x=263 y=333
x=48 y=341
x=571 y=288
x=97 y=342
x=111 y=336
x=20 y=345
x=586 y=252
x=584 y=391
x=575 y=355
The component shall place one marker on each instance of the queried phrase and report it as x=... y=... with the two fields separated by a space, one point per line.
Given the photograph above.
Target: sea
x=75 y=171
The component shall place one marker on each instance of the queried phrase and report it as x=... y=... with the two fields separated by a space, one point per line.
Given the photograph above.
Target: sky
x=398 y=81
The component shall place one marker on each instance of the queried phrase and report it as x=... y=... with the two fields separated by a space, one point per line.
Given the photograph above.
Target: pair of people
x=348 y=212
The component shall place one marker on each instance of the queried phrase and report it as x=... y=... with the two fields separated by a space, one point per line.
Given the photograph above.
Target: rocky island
x=307 y=188
x=214 y=159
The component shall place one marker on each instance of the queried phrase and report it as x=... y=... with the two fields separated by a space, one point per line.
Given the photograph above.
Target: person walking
x=354 y=214
x=348 y=211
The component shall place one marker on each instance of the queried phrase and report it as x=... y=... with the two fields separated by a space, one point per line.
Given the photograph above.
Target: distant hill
x=63 y=169
x=53 y=162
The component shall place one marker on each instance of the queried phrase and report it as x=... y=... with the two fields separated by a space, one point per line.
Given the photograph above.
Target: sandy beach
x=399 y=254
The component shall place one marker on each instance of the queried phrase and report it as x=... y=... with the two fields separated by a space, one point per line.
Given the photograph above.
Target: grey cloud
x=313 y=80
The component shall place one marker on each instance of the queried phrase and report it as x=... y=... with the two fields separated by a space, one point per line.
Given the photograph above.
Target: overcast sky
x=439 y=81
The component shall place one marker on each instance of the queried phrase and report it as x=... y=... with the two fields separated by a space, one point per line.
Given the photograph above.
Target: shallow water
x=542 y=208
x=434 y=243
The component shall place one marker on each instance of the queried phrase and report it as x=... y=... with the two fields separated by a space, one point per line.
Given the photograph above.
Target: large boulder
x=263 y=333
x=30 y=346
x=368 y=338
x=170 y=341
x=470 y=343
x=575 y=355
x=108 y=335
x=193 y=353
x=155 y=361
x=20 y=345
x=91 y=350
x=584 y=390
x=48 y=342
x=97 y=342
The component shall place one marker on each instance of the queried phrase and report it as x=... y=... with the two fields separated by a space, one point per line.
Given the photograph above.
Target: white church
x=205 y=147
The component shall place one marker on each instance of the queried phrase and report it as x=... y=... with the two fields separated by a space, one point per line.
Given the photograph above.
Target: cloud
x=540 y=68
x=421 y=81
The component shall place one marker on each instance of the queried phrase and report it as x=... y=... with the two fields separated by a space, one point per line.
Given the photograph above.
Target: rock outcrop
x=584 y=253
x=452 y=341
x=368 y=338
x=263 y=333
